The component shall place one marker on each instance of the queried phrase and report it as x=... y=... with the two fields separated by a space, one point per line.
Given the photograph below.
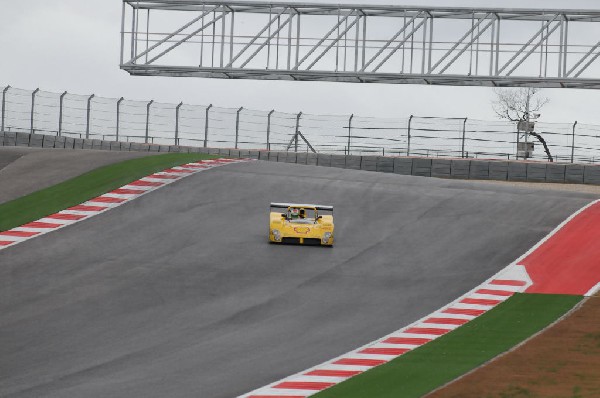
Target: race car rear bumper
x=302 y=241
x=288 y=240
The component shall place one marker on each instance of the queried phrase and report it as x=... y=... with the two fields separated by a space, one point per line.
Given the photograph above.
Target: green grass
x=87 y=186
x=452 y=355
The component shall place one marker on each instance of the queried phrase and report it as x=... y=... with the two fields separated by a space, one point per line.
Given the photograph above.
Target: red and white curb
x=512 y=279
x=106 y=201
x=466 y=308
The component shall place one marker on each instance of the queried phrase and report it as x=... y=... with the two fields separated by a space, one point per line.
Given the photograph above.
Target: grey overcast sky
x=73 y=45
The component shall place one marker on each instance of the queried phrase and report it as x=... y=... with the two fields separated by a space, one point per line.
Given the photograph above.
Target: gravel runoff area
x=26 y=170
x=562 y=361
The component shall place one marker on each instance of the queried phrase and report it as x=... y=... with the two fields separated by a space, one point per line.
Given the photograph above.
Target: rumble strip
x=106 y=201
x=569 y=272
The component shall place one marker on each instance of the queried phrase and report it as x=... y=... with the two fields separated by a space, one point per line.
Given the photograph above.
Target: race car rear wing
x=286 y=205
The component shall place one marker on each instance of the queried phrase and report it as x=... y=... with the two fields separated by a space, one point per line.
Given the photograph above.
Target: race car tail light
x=276 y=234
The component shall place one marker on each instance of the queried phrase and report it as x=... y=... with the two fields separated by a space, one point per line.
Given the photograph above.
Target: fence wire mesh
x=89 y=116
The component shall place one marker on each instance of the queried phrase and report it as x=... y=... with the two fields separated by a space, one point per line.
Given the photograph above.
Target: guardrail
x=476 y=169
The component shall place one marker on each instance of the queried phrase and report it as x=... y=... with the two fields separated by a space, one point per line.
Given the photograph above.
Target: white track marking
x=513 y=278
x=103 y=202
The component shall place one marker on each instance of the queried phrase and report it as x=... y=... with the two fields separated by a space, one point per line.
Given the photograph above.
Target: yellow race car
x=301 y=224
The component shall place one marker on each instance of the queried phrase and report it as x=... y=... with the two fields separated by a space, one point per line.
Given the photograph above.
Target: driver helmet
x=294 y=212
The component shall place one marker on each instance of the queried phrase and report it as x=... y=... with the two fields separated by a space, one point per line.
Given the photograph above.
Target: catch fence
x=119 y=119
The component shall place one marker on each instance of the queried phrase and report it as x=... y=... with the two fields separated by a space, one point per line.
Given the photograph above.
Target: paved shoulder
x=9 y=155
x=26 y=170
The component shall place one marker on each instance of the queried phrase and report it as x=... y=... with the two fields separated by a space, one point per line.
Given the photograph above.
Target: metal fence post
x=206 y=126
x=408 y=136
x=350 y=131
x=237 y=126
x=573 y=143
x=518 y=141
x=148 y=120
x=297 y=130
x=118 y=118
x=4 y=105
x=33 y=107
x=177 y=123
x=89 y=111
x=60 y=113
x=269 y=129
x=462 y=151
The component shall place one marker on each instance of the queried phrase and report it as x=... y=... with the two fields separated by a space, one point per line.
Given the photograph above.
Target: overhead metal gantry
x=362 y=43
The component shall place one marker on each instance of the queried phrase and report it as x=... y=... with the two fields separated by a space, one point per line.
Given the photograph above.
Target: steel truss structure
x=361 y=43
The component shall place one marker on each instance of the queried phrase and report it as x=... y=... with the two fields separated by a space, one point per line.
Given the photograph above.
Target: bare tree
x=522 y=104
x=519 y=104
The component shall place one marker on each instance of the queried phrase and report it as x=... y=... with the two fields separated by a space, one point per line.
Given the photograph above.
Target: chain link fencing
x=119 y=119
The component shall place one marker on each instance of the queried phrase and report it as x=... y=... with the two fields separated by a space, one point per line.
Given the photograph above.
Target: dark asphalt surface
x=25 y=170
x=178 y=293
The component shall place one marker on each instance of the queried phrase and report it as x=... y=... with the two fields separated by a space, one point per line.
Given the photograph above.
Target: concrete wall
x=474 y=169
x=501 y=170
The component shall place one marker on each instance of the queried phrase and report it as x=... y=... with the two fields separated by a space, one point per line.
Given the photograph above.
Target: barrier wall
x=426 y=167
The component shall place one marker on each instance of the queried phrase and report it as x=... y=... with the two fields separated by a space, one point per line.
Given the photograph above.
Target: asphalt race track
x=178 y=293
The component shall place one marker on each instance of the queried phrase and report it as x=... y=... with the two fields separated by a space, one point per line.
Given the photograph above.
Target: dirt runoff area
x=563 y=361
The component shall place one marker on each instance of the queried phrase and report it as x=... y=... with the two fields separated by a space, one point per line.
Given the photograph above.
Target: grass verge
x=456 y=353
x=87 y=186
x=564 y=361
